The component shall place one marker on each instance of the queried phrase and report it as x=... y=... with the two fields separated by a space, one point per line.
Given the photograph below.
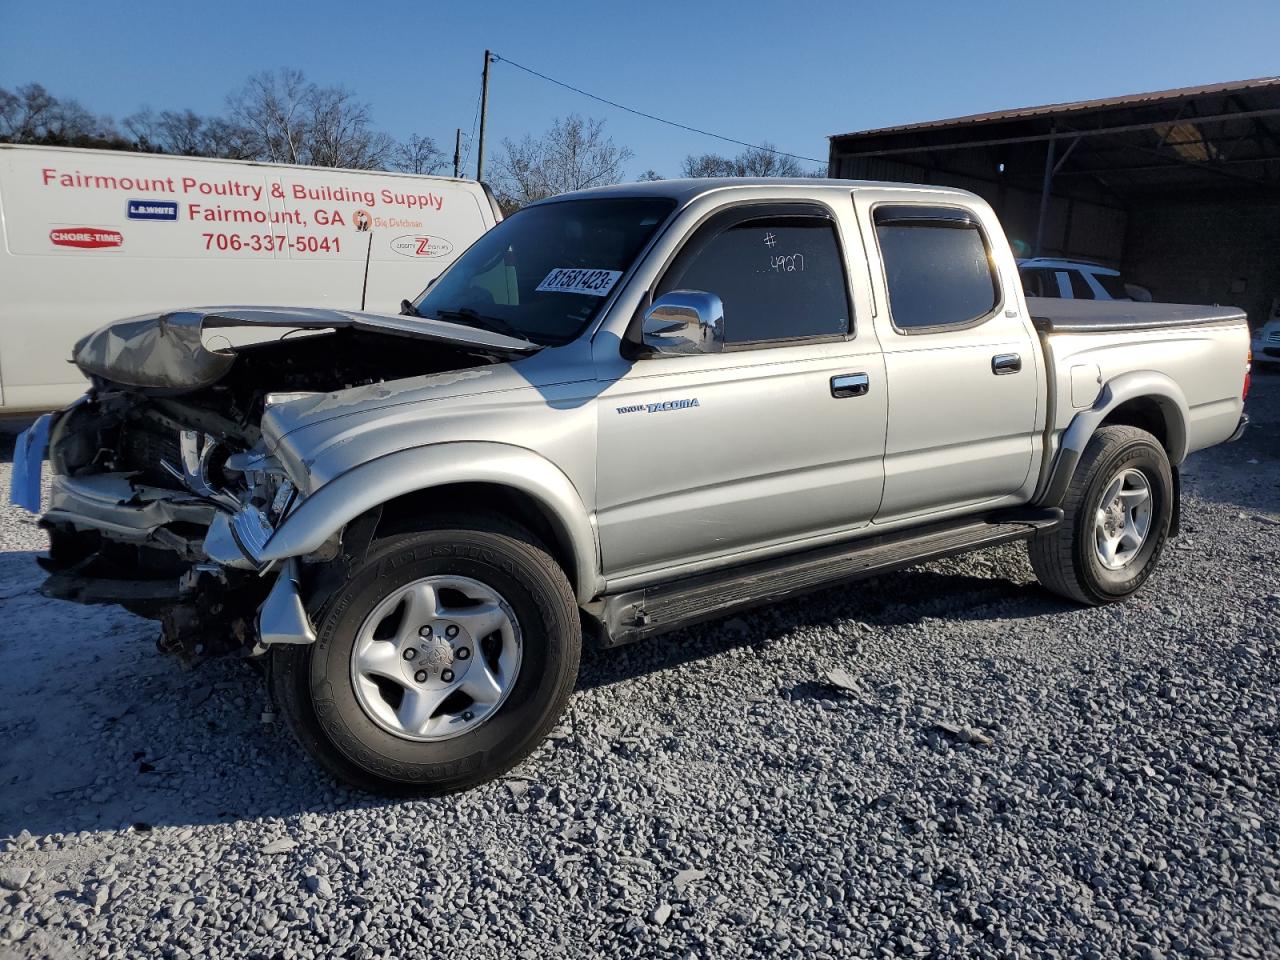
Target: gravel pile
x=946 y=760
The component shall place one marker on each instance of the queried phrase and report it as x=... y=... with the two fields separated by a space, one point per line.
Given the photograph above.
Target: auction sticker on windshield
x=594 y=283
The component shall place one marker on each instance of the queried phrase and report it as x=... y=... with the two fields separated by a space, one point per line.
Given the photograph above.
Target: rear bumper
x=1240 y=428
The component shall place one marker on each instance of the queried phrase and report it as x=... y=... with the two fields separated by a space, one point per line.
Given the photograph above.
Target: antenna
x=368 y=253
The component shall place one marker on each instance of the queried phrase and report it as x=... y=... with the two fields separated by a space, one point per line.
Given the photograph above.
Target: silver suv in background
x=1266 y=341
x=1077 y=280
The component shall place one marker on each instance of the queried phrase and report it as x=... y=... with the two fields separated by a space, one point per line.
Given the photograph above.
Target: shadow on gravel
x=887 y=601
x=142 y=740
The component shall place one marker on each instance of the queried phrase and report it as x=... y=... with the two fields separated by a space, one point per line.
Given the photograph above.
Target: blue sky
x=790 y=73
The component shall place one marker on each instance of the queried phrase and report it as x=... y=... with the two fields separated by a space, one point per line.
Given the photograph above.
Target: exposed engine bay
x=160 y=490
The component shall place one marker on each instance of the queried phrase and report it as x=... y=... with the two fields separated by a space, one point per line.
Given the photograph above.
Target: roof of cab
x=684 y=190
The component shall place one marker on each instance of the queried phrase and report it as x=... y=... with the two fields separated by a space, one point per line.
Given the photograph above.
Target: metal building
x=1180 y=189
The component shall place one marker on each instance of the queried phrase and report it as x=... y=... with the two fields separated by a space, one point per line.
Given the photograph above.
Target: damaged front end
x=145 y=512
x=163 y=493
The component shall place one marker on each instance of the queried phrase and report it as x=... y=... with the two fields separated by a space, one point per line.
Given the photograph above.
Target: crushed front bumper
x=110 y=503
x=215 y=575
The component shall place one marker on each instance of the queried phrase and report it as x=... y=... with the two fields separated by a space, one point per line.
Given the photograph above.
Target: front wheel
x=1116 y=519
x=440 y=663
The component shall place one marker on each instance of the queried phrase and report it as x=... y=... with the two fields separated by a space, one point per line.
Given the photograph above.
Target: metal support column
x=1044 y=194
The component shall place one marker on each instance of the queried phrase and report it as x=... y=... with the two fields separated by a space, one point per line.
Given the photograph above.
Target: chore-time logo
x=662 y=407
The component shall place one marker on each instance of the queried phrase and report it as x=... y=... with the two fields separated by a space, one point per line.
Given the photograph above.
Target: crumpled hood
x=166 y=351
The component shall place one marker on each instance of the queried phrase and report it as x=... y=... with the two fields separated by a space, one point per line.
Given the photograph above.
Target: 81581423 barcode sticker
x=594 y=283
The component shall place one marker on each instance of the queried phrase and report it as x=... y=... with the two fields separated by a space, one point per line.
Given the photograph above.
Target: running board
x=637 y=614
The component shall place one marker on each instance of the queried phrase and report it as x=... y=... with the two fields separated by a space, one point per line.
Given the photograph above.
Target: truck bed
x=1098 y=316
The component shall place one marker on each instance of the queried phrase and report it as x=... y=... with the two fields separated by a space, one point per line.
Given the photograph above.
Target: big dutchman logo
x=420 y=245
x=86 y=238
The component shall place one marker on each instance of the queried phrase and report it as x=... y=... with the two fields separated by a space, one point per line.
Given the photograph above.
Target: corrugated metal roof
x=1057 y=109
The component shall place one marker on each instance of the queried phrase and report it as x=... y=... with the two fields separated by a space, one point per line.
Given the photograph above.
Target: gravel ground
x=1004 y=775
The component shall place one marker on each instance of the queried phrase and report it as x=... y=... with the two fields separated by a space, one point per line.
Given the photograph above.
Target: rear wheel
x=1116 y=519
x=440 y=663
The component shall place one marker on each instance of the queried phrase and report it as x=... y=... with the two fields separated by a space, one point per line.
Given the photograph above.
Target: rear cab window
x=938 y=268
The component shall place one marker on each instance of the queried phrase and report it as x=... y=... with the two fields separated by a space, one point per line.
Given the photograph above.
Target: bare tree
x=273 y=107
x=186 y=132
x=573 y=155
x=707 y=165
x=181 y=131
x=341 y=134
x=761 y=161
x=766 y=161
x=419 y=154
x=226 y=138
x=31 y=114
x=649 y=174
x=23 y=114
x=289 y=119
x=277 y=116
x=143 y=128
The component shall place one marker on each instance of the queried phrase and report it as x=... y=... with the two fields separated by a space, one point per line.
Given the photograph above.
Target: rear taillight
x=1248 y=372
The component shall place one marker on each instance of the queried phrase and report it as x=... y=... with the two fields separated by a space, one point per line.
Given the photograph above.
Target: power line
x=650 y=116
x=472 y=136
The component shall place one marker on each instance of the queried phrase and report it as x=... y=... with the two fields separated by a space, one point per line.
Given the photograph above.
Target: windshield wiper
x=473 y=318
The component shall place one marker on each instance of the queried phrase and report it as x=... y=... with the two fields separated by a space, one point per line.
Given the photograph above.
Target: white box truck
x=91 y=236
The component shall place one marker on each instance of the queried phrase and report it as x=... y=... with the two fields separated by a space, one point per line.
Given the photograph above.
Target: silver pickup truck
x=629 y=408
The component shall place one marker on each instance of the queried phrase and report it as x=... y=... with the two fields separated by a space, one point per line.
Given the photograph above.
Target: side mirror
x=684 y=322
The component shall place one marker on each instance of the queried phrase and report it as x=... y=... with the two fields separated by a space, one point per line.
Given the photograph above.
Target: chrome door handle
x=1003 y=363
x=850 y=385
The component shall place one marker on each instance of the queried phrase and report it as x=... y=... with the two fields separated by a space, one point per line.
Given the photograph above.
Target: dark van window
x=780 y=278
x=937 y=266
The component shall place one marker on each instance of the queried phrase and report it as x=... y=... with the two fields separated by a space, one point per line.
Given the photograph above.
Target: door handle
x=1003 y=363
x=850 y=385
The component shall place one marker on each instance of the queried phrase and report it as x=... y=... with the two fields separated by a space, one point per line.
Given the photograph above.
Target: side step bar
x=637 y=614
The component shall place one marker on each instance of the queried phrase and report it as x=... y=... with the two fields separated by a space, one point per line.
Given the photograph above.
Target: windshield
x=544 y=272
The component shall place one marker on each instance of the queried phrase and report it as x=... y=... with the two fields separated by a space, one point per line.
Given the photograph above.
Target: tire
x=344 y=718
x=1068 y=560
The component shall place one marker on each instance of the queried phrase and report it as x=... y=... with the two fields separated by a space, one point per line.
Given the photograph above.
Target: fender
x=1127 y=386
x=345 y=497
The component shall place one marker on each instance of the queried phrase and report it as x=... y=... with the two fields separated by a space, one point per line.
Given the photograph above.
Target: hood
x=166 y=351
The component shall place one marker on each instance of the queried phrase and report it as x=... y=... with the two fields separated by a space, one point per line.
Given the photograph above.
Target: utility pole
x=457 y=154
x=484 y=111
